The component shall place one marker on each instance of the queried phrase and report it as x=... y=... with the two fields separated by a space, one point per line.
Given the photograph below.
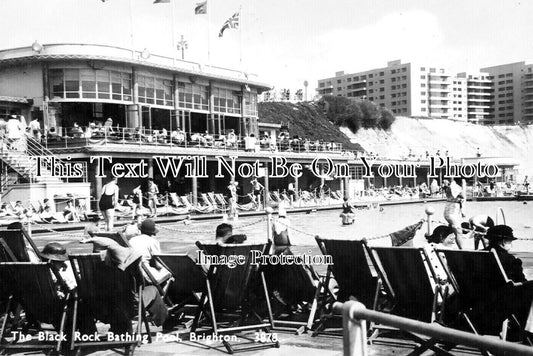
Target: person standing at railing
x=108 y=201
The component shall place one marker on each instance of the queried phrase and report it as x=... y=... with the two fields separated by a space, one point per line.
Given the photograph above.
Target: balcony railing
x=82 y=137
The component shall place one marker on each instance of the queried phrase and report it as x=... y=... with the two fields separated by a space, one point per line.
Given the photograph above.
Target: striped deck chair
x=228 y=292
x=476 y=276
x=44 y=296
x=353 y=273
x=106 y=293
x=406 y=279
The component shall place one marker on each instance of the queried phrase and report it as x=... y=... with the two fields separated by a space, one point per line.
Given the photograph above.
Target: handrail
x=355 y=315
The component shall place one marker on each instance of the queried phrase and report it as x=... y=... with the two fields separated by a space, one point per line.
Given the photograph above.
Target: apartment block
x=405 y=88
x=513 y=92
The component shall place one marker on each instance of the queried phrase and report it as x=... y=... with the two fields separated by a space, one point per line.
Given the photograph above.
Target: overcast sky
x=288 y=41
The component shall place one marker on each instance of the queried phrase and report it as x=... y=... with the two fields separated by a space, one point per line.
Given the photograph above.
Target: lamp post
x=182 y=46
x=306 y=83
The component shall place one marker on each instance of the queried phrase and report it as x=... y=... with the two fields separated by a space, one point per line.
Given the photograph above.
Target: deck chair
x=201 y=209
x=213 y=199
x=228 y=292
x=294 y=284
x=221 y=200
x=406 y=280
x=119 y=237
x=102 y=290
x=352 y=271
x=475 y=276
x=42 y=297
x=15 y=240
x=189 y=280
x=207 y=202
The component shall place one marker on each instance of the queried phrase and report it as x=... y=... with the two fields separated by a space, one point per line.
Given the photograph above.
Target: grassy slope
x=305 y=119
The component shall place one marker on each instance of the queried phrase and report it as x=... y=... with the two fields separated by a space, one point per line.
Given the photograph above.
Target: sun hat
x=500 y=233
x=55 y=252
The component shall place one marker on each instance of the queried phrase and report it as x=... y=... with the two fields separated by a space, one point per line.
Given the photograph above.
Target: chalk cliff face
x=460 y=139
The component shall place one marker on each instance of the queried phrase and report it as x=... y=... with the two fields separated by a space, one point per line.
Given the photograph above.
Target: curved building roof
x=65 y=51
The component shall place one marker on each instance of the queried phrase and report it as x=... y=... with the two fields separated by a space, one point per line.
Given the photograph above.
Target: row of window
x=73 y=83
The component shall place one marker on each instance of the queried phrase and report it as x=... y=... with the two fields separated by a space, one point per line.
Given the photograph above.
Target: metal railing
x=355 y=315
x=87 y=136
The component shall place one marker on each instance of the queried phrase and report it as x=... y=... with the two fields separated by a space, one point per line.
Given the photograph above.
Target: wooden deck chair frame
x=352 y=270
x=227 y=288
x=89 y=271
x=296 y=272
x=462 y=281
x=404 y=273
x=123 y=241
x=189 y=280
x=38 y=292
x=14 y=238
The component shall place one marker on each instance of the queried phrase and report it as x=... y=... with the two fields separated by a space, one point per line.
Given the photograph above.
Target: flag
x=161 y=1
x=201 y=8
x=232 y=22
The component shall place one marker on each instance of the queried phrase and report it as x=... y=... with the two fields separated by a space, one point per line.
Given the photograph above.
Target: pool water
x=180 y=238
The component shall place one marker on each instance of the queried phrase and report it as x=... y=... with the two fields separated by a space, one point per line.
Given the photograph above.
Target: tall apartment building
x=513 y=92
x=415 y=90
x=405 y=88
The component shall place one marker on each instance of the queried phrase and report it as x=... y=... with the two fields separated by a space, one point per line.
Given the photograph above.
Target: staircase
x=21 y=159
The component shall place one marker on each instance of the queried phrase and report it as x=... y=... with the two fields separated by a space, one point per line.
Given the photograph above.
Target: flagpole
x=240 y=39
x=173 y=33
x=131 y=31
x=208 y=32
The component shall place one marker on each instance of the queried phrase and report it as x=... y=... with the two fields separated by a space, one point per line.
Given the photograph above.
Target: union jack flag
x=232 y=22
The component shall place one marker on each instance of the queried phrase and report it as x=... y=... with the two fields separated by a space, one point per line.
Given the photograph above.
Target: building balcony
x=478 y=86
x=481 y=92
x=440 y=90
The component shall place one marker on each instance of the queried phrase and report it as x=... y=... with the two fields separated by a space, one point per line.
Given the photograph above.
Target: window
x=371 y=75
x=339 y=81
x=381 y=89
x=423 y=109
x=192 y=96
x=422 y=101
x=422 y=93
x=382 y=81
x=226 y=101
x=422 y=77
x=381 y=74
x=422 y=69
x=423 y=85
x=88 y=83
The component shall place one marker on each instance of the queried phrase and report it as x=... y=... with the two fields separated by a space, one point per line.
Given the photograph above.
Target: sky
x=288 y=42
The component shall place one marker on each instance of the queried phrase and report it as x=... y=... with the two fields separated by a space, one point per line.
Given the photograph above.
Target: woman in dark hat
x=501 y=239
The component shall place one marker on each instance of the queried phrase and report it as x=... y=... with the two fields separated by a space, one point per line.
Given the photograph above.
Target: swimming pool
x=179 y=238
